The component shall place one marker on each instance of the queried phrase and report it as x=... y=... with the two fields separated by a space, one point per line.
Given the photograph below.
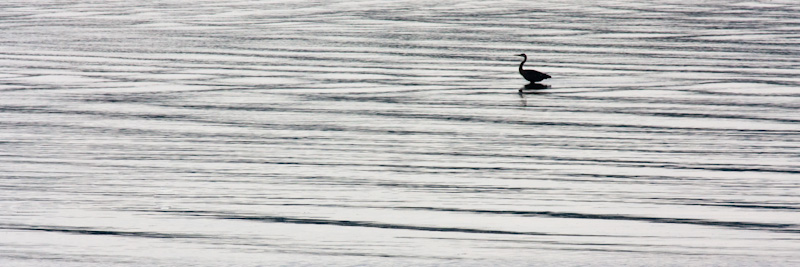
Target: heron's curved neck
x=525 y=58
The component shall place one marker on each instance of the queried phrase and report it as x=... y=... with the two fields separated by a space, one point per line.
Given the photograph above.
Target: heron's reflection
x=534 y=86
x=532 y=89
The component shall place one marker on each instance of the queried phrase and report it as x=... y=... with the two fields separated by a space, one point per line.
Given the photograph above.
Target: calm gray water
x=389 y=133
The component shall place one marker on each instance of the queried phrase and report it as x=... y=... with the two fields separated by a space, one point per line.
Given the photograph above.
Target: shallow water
x=245 y=133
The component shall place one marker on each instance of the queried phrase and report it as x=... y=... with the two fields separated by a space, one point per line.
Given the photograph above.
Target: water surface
x=260 y=133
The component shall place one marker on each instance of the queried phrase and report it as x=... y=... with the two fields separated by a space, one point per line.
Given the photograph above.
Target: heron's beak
x=521 y=55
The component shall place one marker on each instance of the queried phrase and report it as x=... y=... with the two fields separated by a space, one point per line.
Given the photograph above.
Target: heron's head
x=522 y=55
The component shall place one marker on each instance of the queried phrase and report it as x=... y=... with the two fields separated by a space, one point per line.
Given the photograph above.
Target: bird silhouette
x=531 y=75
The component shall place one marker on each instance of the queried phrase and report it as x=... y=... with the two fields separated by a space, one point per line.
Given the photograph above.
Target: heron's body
x=531 y=75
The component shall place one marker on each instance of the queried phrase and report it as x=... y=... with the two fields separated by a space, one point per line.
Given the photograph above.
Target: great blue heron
x=531 y=75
